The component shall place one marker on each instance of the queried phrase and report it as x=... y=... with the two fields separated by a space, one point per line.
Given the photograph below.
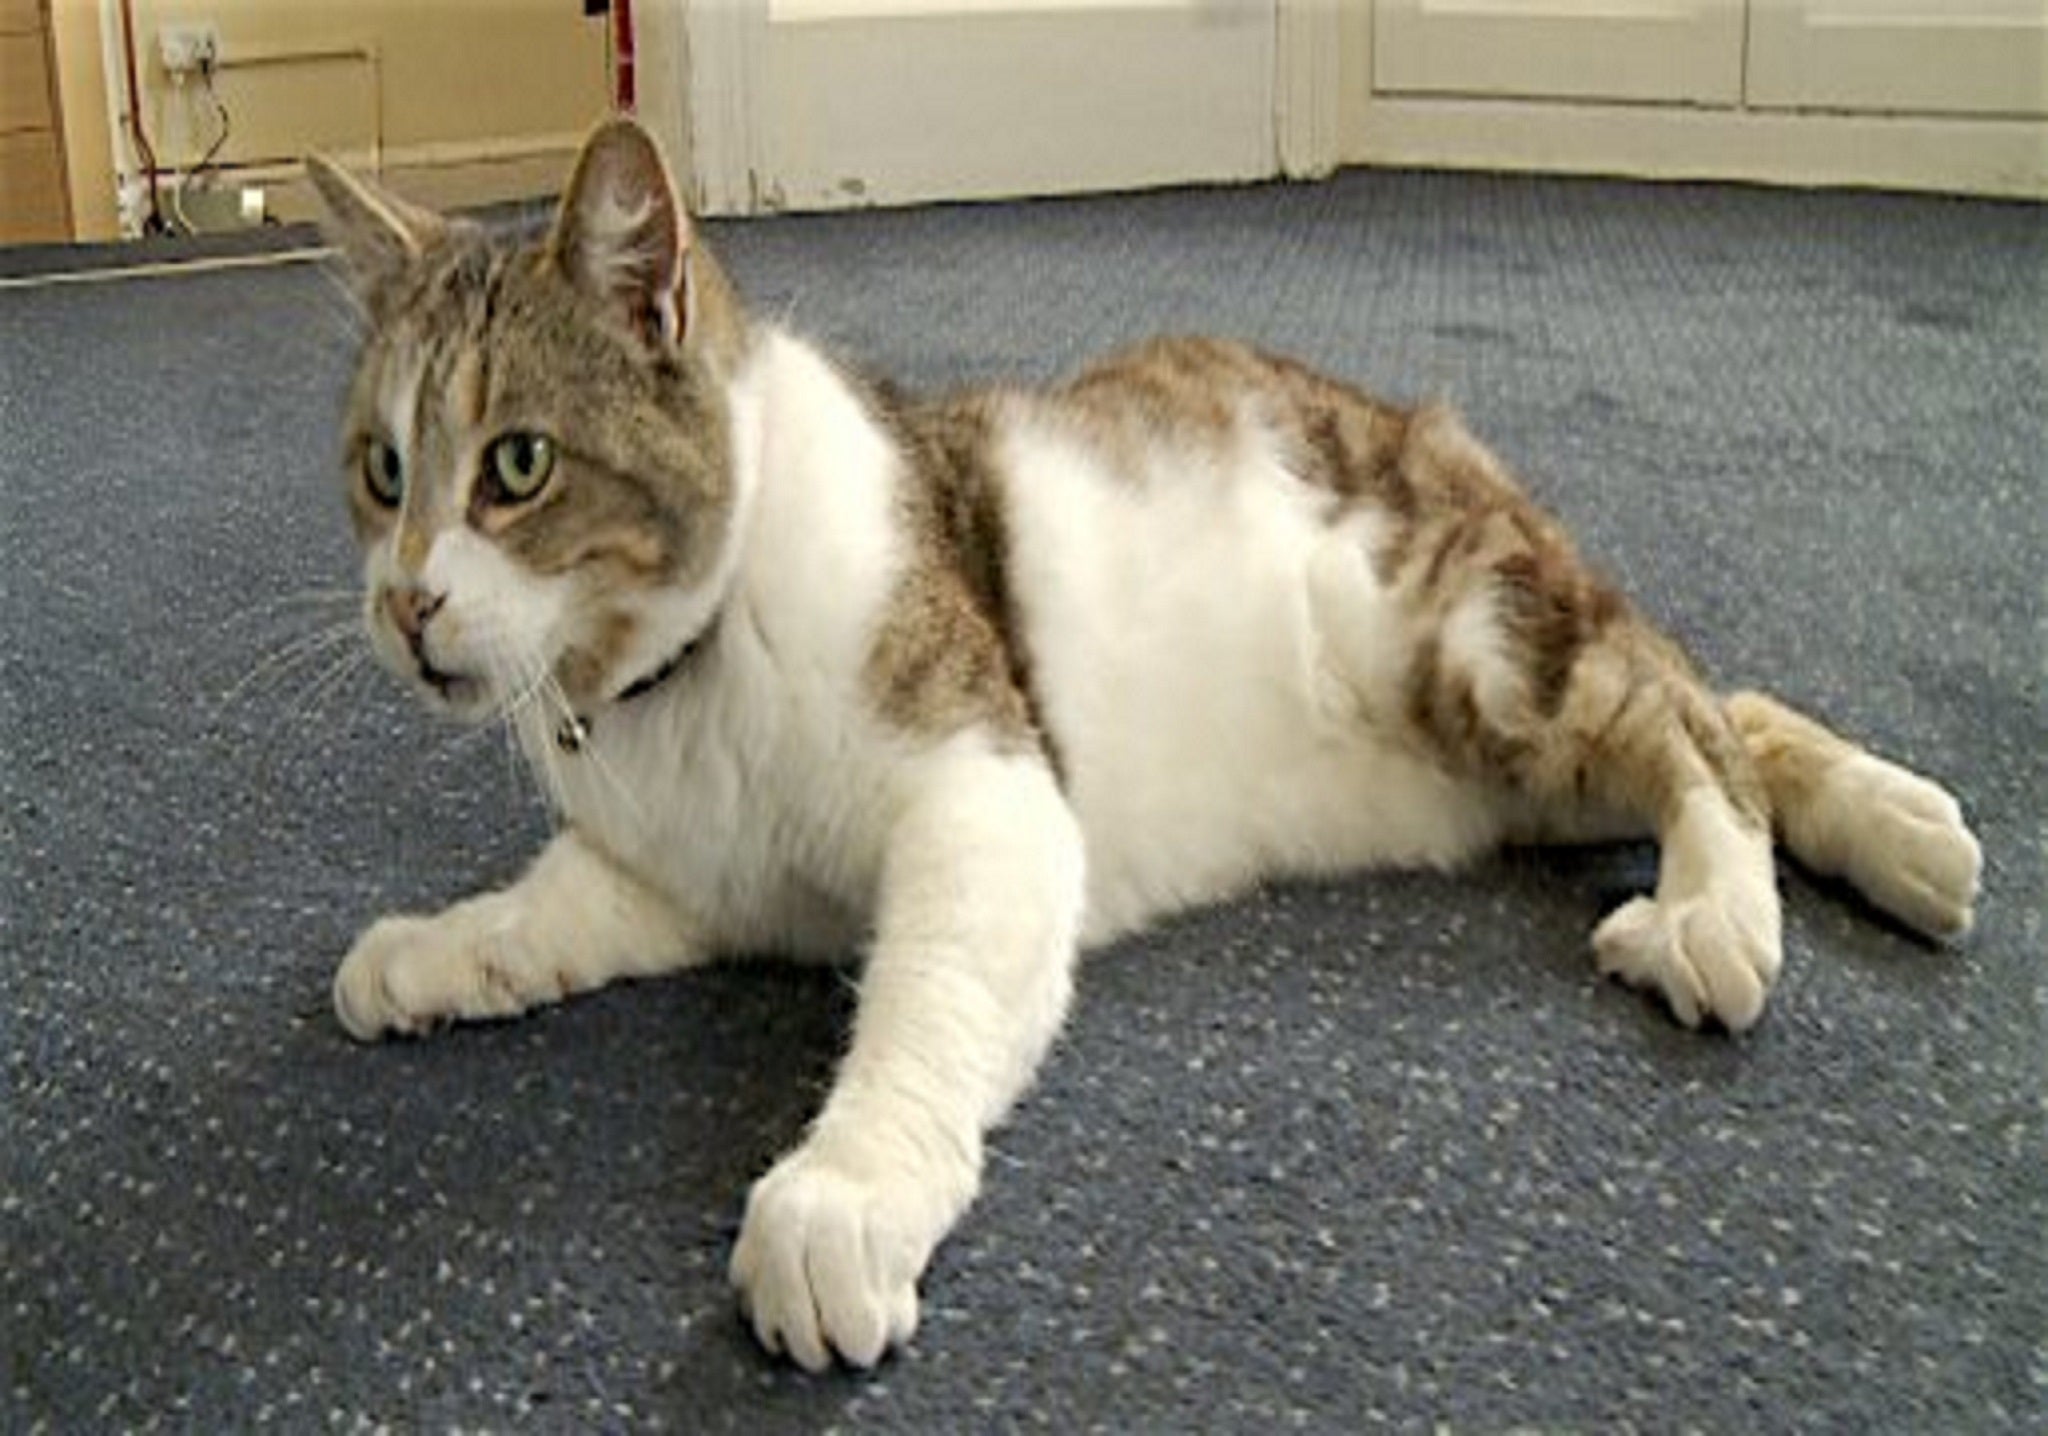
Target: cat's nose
x=410 y=608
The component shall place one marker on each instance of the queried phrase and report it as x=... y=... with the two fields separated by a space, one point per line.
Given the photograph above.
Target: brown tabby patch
x=1210 y=394
x=1608 y=713
x=951 y=651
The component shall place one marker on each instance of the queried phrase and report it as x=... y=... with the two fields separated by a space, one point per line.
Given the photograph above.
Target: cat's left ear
x=379 y=233
x=623 y=237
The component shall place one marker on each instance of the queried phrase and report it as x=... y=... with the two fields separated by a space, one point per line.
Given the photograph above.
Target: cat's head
x=536 y=450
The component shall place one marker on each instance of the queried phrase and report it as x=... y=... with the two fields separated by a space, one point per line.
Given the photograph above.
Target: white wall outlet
x=187 y=49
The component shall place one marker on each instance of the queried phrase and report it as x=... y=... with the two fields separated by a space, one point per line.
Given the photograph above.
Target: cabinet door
x=1686 y=51
x=1954 y=57
x=34 y=207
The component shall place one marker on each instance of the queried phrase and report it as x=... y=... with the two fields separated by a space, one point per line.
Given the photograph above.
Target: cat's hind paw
x=1901 y=840
x=827 y=1263
x=1712 y=955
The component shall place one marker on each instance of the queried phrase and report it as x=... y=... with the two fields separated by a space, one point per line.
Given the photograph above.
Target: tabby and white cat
x=975 y=682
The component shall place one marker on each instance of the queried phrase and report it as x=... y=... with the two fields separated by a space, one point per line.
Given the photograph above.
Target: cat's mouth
x=456 y=691
x=465 y=696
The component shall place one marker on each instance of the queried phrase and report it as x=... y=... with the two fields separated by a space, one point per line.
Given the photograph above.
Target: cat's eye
x=517 y=466
x=383 y=473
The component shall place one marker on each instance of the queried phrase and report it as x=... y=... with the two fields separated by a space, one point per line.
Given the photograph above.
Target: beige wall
x=460 y=100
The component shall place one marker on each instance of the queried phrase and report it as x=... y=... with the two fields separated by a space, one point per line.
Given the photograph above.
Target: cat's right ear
x=623 y=237
x=377 y=232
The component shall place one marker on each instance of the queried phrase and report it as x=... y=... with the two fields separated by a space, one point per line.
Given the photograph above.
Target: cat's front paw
x=1715 y=954
x=1901 y=840
x=406 y=975
x=828 y=1261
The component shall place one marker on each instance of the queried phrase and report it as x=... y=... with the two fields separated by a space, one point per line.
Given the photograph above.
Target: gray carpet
x=1380 y=1150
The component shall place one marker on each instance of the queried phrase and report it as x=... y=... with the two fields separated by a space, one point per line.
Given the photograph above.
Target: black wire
x=206 y=161
x=227 y=125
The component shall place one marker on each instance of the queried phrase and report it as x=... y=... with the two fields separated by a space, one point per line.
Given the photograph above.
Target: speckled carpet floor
x=1381 y=1151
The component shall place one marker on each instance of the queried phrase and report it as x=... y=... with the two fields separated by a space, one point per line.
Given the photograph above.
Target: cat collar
x=574 y=731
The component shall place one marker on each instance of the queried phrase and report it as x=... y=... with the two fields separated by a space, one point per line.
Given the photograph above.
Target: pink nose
x=410 y=608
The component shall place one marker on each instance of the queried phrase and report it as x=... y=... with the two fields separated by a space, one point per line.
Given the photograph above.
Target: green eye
x=383 y=473
x=518 y=465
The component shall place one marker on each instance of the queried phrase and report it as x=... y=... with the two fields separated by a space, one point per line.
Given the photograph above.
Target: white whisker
x=588 y=753
x=325 y=686
x=288 y=659
x=335 y=327
x=349 y=595
x=327 y=331
x=350 y=312
x=519 y=682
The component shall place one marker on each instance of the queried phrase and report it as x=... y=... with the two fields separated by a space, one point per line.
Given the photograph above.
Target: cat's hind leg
x=1530 y=674
x=573 y=922
x=1636 y=740
x=1898 y=838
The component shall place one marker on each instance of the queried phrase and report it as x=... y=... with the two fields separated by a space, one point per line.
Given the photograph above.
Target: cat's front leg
x=574 y=921
x=970 y=976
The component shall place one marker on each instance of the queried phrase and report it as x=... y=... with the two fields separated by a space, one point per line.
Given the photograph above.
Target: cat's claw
x=827 y=1263
x=1713 y=955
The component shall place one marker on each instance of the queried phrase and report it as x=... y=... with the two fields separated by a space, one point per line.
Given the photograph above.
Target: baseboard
x=1994 y=157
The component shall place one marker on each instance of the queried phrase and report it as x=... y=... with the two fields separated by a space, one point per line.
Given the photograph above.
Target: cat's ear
x=380 y=234
x=622 y=236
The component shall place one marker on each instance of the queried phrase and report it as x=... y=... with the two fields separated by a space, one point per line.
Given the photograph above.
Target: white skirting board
x=1996 y=157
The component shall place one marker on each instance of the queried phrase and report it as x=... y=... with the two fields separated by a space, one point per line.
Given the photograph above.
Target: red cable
x=142 y=145
x=623 y=93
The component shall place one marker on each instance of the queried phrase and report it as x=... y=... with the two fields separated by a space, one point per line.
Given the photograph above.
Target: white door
x=1669 y=50
x=1933 y=57
x=810 y=104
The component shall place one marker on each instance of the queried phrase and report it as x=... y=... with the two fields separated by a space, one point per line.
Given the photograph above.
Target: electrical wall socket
x=187 y=49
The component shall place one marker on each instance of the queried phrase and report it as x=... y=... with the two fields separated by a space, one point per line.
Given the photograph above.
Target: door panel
x=831 y=103
x=1958 y=57
x=1646 y=50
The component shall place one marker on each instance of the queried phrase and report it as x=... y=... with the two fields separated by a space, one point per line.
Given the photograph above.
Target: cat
x=977 y=682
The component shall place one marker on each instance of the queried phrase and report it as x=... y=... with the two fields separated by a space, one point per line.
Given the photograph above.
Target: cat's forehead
x=453 y=276
x=406 y=375
x=466 y=310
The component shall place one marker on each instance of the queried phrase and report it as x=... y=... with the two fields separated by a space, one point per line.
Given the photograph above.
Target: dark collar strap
x=640 y=687
x=575 y=729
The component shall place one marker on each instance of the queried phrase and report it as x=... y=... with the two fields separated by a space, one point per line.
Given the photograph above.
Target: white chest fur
x=755 y=787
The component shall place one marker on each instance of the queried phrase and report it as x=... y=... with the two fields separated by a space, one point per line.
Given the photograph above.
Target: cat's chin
x=467 y=702
x=455 y=696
